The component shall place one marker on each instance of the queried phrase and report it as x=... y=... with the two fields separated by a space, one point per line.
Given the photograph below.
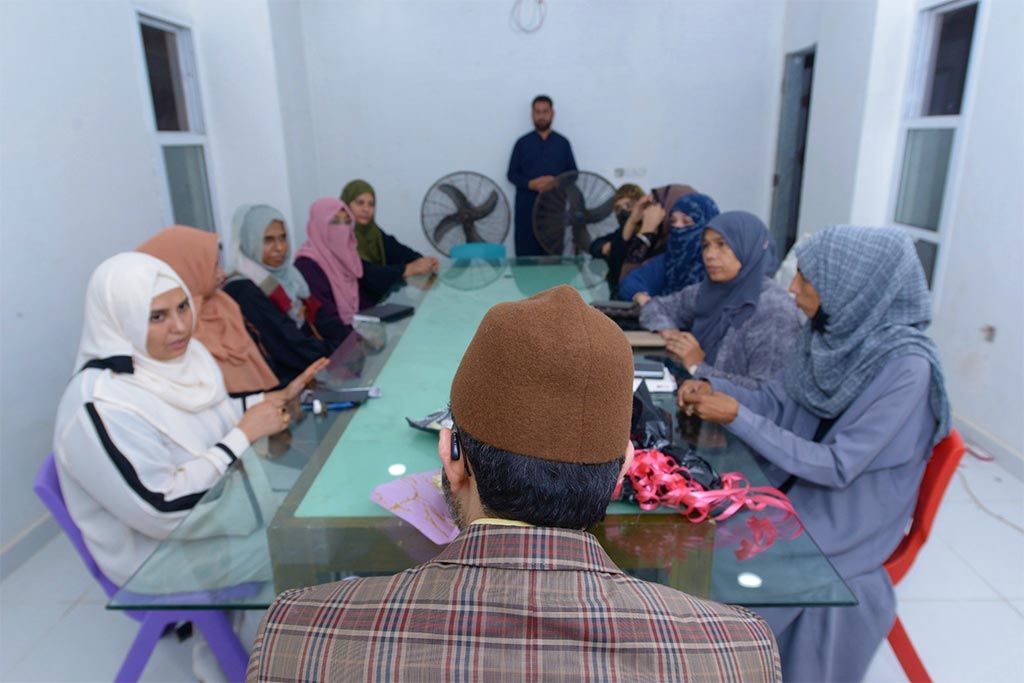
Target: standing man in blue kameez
x=537 y=158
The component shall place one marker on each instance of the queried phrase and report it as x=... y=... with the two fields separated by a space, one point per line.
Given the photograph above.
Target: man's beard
x=542 y=127
x=453 y=506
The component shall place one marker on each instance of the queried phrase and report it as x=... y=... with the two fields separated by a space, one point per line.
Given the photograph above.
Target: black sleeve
x=596 y=245
x=287 y=349
x=330 y=328
x=516 y=176
x=396 y=253
x=617 y=246
x=617 y=254
x=377 y=281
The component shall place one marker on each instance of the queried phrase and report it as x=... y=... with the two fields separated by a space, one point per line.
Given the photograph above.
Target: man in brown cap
x=542 y=402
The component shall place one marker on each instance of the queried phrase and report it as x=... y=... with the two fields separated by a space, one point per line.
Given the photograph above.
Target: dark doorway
x=789 y=157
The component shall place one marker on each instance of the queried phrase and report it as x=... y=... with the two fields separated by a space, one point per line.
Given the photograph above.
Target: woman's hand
x=421 y=266
x=689 y=389
x=713 y=407
x=654 y=216
x=296 y=386
x=641 y=298
x=267 y=417
x=686 y=346
x=635 y=214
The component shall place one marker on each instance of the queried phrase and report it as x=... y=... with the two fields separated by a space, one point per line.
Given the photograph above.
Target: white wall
x=406 y=92
x=844 y=34
x=293 y=92
x=82 y=179
x=79 y=182
x=884 y=98
x=241 y=100
x=983 y=282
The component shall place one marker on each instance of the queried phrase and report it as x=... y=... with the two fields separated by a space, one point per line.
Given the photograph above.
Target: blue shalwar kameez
x=532 y=157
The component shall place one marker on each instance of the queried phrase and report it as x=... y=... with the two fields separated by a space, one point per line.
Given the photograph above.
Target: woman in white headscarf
x=146 y=425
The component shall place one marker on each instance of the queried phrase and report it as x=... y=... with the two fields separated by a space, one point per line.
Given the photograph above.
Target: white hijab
x=117 y=307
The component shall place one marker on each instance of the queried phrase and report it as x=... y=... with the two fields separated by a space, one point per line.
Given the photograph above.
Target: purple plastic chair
x=213 y=624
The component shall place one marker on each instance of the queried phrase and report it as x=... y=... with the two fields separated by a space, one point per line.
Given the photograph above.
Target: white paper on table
x=663 y=385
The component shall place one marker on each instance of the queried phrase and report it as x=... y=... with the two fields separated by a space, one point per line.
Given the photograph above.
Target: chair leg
x=142 y=647
x=224 y=643
x=907 y=655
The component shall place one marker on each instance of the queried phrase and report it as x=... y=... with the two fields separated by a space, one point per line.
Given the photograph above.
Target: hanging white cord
x=528 y=16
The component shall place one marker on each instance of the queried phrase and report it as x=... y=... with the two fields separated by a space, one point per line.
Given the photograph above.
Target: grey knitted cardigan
x=751 y=353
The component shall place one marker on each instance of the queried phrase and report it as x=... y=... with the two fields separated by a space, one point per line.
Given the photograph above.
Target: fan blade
x=568 y=178
x=601 y=211
x=575 y=199
x=445 y=226
x=471 y=233
x=577 y=207
x=580 y=239
x=456 y=195
x=482 y=211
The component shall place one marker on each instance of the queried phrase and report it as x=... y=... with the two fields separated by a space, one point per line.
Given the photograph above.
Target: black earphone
x=455 y=446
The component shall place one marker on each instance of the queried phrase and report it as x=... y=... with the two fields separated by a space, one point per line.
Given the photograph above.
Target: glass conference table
x=295 y=509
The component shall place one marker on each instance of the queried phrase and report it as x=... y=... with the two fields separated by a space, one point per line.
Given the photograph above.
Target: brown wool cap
x=548 y=377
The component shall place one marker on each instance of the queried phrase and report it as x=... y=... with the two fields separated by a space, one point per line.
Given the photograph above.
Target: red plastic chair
x=937 y=474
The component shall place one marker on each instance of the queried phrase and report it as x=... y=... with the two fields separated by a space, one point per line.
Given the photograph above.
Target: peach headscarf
x=334 y=248
x=219 y=326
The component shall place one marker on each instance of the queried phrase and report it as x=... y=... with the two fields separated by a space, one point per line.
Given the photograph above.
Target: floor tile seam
x=80 y=599
x=941 y=540
x=28 y=649
x=984 y=579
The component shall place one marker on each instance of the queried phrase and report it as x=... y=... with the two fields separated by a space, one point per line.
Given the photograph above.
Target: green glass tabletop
x=296 y=509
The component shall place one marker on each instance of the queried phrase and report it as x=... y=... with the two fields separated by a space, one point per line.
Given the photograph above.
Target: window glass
x=927 y=252
x=923 y=178
x=165 y=84
x=190 y=190
x=948 y=71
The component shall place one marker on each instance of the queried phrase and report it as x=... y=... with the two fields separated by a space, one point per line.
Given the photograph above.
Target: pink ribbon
x=658 y=480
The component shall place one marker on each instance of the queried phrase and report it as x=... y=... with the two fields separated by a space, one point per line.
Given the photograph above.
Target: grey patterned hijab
x=874 y=293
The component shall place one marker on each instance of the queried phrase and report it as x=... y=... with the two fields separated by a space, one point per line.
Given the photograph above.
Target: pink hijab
x=333 y=247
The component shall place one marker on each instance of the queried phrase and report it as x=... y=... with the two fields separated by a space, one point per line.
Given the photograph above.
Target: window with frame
x=931 y=125
x=180 y=134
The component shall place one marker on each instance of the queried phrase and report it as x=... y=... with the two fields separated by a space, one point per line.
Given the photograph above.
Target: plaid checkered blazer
x=507 y=603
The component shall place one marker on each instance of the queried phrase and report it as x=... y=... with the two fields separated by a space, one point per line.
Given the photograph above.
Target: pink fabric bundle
x=657 y=479
x=331 y=243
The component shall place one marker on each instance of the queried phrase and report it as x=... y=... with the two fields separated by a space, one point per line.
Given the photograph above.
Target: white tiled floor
x=962 y=603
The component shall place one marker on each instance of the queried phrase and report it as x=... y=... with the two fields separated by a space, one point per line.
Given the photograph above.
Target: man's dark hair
x=542 y=98
x=540 y=492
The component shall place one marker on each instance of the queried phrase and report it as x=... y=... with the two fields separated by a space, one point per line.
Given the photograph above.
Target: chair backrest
x=47 y=487
x=937 y=474
x=482 y=250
